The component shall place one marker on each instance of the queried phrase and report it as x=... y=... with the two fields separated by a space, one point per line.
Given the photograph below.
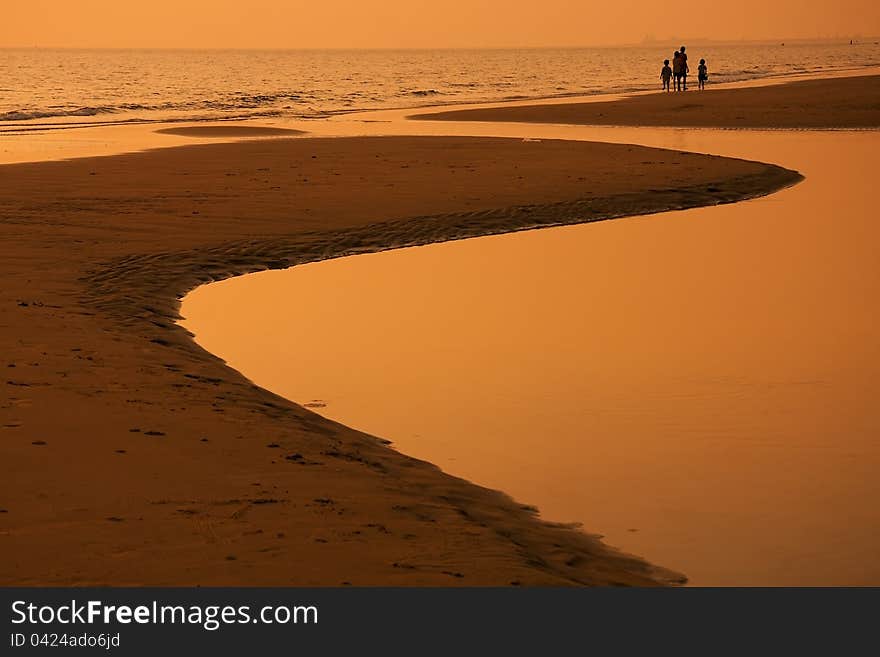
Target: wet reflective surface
x=698 y=386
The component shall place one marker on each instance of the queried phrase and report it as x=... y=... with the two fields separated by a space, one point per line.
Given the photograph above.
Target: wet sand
x=214 y=131
x=132 y=456
x=845 y=102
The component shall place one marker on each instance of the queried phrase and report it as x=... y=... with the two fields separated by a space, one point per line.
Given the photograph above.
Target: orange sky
x=416 y=23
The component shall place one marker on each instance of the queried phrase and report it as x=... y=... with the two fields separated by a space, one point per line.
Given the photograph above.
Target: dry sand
x=132 y=456
x=852 y=102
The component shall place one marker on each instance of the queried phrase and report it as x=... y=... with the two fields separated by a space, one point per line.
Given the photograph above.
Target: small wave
x=233 y=103
x=424 y=92
x=736 y=72
x=30 y=115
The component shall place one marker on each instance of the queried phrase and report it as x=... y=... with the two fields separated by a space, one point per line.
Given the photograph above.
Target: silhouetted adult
x=684 y=68
x=676 y=69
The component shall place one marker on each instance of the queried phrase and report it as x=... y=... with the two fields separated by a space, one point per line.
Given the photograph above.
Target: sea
x=66 y=88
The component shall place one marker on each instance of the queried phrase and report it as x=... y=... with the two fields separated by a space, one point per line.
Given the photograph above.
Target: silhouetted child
x=702 y=74
x=666 y=75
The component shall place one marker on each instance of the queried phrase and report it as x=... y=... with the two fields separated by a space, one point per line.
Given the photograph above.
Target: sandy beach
x=135 y=457
x=844 y=102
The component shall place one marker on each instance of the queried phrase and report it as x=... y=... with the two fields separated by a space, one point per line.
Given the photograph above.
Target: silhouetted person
x=684 y=69
x=666 y=75
x=676 y=69
x=702 y=74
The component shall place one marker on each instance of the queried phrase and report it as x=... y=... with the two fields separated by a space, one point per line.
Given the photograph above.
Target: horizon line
x=642 y=43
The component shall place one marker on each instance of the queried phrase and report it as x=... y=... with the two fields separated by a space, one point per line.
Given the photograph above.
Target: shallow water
x=697 y=386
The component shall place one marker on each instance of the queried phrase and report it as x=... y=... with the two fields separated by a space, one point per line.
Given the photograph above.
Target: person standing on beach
x=676 y=69
x=702 y=74
x=666 y=74
x=684 y=69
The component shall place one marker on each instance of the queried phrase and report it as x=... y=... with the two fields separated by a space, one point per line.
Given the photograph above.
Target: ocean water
x=61 y=88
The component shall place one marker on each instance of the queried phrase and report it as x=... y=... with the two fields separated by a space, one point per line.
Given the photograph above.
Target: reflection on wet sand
x=698 y=386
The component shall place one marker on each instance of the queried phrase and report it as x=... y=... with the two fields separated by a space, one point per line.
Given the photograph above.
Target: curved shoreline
x=670 y=381
x=155 y=395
